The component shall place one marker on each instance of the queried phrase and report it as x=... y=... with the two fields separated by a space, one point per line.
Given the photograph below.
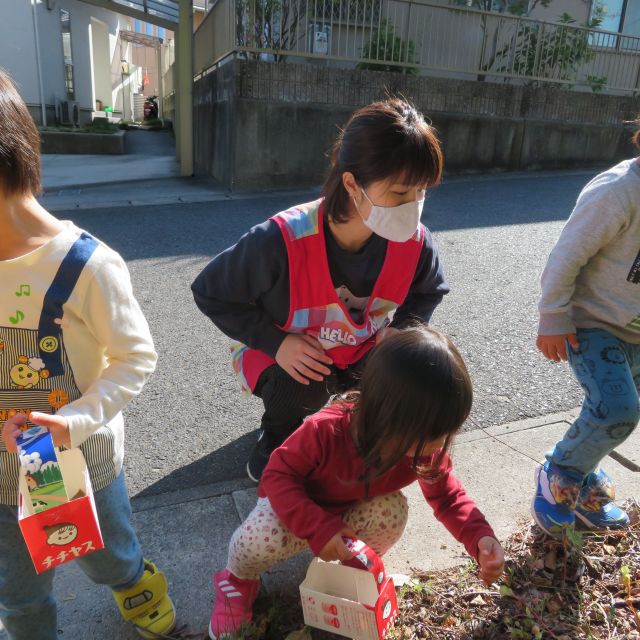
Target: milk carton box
x=56 y=509
x=356 y=601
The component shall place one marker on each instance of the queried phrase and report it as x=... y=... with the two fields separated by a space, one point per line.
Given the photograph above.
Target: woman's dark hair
x=385 y=140
x=415 y=389
x=19 y=142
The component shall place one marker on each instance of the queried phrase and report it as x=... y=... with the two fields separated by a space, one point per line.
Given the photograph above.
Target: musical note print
x=19 y=317
x=24 y=290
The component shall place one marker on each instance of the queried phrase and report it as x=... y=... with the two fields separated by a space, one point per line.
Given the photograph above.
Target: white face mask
x=397 y=224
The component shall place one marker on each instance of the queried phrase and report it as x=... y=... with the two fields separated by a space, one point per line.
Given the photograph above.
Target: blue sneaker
x=596 y=507
x=554 y=503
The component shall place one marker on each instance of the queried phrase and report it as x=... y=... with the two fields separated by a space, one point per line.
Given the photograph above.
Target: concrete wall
x=92 y=143
x=214 y=123
x=260 y=125
x=16 y=47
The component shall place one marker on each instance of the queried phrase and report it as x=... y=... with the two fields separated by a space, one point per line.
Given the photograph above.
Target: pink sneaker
x=233 y=605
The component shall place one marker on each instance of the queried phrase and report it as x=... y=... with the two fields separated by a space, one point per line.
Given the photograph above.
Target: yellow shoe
x=147 y=605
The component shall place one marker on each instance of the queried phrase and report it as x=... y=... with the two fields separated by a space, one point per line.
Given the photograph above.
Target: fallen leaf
x=400 y=579
x=555 y=604
x=505 y=592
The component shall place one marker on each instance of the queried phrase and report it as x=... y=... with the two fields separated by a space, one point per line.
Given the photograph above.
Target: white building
x=67 y=53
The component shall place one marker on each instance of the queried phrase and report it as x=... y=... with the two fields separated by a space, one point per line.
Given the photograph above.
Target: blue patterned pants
x=608 y=370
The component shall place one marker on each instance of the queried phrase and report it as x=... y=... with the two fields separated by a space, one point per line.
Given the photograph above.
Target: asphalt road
x=192 y=426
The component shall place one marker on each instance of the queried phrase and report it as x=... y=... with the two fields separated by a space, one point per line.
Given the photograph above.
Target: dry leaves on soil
x=584 y=587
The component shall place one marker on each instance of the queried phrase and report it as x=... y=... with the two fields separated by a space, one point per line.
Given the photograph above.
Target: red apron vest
x=315 y=308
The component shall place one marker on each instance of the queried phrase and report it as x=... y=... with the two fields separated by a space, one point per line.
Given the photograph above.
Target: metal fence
x=410 y=36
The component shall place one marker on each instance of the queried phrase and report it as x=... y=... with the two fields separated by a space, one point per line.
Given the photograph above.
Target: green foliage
x=154 y=123
x=48 y=475
x=101 y=126
x=625 y=578
x=573 y=537
x=515 y=7
x=94 y=127
x=506 y=592
x=386 y=46
x=597 y=83
x=548 y=51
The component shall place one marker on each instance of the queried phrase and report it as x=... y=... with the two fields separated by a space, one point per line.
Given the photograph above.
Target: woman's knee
x=285 y=398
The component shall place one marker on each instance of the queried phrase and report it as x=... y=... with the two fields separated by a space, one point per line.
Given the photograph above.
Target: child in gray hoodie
x=590 y=316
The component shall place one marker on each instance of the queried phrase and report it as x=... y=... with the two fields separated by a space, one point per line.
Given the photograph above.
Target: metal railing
x=415 y=35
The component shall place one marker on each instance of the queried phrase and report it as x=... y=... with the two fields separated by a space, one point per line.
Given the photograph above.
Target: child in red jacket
x=340 y=473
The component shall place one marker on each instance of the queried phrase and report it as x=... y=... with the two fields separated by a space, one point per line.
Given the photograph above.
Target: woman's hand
x=336 y=549
x=56 y=425
x=555 y=347
x=302 y=357
x=490 y=559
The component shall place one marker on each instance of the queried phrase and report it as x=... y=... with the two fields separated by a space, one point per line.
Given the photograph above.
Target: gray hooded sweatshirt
x=592 y=276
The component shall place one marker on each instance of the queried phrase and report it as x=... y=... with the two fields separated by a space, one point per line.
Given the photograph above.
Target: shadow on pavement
x=210 y=469
x=208 y=228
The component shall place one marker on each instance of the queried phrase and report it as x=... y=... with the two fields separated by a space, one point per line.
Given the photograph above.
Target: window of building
x=148 y=29
x=619 y=16
x=162 y=33
x=67 y=53
x=137 y=26
x=631 y=24
x=609 y=12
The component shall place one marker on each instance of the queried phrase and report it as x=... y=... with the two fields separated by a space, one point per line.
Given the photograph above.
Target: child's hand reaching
x=336 y=549
x=56 y=425
x=490 y=559
x=555 y=347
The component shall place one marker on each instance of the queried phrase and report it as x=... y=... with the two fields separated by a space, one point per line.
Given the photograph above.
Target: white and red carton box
x=357 y=601
x=65 y=532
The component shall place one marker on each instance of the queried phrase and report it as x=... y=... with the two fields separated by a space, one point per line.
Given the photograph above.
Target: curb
x=229 y=487
x=192 y=494
x=51 y=188
x=50 y=203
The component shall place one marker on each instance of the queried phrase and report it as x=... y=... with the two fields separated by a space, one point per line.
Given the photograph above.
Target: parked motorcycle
x=151 y=108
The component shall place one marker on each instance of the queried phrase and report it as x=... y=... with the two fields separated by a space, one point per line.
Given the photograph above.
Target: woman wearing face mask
x=309 y=292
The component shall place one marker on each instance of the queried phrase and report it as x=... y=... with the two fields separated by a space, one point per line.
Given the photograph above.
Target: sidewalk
x=187 y=532
x=150 y=155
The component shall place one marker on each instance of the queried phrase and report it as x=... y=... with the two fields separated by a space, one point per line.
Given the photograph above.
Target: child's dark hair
x=415 y=389
x=19 y=142
x=385 y=140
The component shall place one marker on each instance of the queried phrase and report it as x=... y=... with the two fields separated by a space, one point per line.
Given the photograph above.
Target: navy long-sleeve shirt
x=245 y=289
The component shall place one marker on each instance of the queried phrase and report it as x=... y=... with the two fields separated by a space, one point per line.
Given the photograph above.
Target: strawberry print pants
x=262 y=541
